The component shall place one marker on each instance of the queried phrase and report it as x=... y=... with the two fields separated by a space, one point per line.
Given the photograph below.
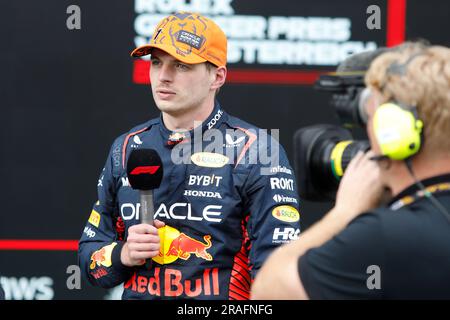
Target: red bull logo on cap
x=176 y=245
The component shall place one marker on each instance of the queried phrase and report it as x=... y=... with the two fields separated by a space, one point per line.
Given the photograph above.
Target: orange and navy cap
x=188 y=37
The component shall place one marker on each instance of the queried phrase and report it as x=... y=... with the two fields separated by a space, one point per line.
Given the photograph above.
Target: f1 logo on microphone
x=144 y=170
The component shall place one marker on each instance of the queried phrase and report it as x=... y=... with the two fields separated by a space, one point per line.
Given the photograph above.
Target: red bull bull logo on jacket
x=102 y=257
x=176 y=245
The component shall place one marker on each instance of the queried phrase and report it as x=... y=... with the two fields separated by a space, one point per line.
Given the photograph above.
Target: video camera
x=323 y=151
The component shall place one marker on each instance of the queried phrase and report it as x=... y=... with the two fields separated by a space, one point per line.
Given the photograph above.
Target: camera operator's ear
x=397 y=130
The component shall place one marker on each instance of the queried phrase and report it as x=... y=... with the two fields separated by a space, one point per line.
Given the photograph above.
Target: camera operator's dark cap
x=360 y=62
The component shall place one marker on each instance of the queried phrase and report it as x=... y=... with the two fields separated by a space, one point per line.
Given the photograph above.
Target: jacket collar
x=214 y=120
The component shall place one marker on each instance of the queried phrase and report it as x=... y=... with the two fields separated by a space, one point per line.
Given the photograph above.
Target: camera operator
x=363 y=248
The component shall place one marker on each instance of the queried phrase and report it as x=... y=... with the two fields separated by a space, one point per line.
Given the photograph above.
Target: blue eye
x=182 y=66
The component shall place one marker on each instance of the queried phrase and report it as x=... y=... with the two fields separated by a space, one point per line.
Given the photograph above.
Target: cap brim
x=146 y=50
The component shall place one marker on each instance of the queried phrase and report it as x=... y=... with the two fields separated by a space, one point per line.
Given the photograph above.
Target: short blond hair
x=416 y=74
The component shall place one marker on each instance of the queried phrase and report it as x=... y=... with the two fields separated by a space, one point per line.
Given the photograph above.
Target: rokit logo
x=285 y=235
x=204 y=181
x=282 y=183
x=35 y=288
x=177 y=211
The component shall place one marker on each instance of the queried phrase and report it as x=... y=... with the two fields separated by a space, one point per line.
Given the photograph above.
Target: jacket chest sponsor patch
x=209 y=159
x=177 y=211
x=202 y=194
x=286 y=214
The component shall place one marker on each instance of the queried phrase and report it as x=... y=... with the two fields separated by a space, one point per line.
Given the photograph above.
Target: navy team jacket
x=225 y=210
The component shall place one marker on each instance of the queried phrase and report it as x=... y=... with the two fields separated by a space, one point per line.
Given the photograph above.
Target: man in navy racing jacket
x=228 y=194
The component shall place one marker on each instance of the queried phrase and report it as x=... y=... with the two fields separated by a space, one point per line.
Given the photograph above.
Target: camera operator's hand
x=360 y=189
x=143 y=243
